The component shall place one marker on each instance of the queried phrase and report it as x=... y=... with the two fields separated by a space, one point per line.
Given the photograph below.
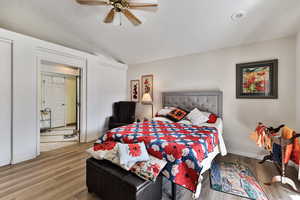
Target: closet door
x=5 y=102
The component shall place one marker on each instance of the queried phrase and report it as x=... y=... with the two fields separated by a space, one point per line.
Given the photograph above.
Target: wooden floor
x=60 y=174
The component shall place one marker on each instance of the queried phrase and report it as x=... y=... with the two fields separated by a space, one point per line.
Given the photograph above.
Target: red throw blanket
x=183 y=146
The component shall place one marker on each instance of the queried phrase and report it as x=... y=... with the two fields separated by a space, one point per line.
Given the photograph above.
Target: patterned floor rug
x=235 y=179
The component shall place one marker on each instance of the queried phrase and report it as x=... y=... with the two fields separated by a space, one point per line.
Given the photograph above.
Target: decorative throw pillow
x=132 y=153
x=197 y=117
x=149 y=170
x=164 y=111
x=106 y=151
x=103 y=150
x=212 y=119
x=177 y=114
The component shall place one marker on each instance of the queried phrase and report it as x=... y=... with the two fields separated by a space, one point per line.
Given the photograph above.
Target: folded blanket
x=182 y=146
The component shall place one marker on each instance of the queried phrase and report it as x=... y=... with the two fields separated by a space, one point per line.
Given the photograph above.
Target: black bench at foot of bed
x=110 y=182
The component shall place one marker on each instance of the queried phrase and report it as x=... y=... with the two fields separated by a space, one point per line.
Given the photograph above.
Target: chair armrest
x=112 y=119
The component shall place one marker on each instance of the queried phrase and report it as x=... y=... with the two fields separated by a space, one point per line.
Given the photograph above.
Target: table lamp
x=147 y=100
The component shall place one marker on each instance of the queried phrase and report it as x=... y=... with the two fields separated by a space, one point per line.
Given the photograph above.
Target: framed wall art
x=135 y=90
x=257 y=80
x=147 y=85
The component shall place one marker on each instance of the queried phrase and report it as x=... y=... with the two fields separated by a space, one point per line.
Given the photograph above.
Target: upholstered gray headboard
x=211 y=101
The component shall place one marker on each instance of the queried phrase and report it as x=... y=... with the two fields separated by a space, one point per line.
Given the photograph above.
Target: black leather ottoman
x=110 y=182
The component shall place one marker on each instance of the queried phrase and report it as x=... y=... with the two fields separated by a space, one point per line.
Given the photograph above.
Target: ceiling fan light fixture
x=121 y=7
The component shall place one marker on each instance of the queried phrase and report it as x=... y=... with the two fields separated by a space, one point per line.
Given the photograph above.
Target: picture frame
x=257 y=80
x=147 y=84
x=135 y=90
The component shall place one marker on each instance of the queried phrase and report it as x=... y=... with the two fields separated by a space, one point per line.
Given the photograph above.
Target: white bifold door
x=5 y=102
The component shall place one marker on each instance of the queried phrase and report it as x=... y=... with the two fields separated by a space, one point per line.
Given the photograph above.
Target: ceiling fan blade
x=146 y=9
x=142 y=5
x=110 y=16
x=92 y=2
x=133 y=19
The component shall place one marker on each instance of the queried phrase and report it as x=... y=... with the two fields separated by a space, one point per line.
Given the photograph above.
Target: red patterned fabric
x=212 y=118
x=182 y=146
x=106 y=146
x=134 y=150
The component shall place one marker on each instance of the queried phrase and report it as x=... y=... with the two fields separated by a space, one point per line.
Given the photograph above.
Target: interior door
x=54 y=98
x=5 y=102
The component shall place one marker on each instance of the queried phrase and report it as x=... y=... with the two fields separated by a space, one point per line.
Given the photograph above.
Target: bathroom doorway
x=59 y=106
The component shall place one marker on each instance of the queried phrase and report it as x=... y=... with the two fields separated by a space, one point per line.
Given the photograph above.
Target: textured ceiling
x=178 y=28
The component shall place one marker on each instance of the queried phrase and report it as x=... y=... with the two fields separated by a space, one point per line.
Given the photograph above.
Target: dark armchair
x=123 y=114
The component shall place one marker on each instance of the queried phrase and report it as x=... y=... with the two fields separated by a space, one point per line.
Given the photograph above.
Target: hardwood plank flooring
x=60 y=175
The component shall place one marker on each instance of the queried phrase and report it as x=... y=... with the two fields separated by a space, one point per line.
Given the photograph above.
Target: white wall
x=106 y=84
x=298 y=82
x=5 y=102
x=25 y=50
x=215 y=70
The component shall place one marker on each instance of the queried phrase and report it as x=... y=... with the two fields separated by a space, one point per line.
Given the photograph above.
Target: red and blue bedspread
x=183 y=146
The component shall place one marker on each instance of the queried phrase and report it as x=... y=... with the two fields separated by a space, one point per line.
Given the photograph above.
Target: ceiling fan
x=120 y=6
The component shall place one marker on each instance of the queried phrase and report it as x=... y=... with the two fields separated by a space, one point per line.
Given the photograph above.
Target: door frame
x=62 y=59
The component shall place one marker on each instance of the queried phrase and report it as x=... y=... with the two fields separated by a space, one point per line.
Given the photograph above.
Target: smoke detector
x=239 y=15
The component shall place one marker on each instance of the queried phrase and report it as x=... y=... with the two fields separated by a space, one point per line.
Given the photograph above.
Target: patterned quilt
x=182 y=146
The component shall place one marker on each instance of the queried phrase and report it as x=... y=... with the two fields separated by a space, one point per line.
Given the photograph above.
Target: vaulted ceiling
x=180 y=27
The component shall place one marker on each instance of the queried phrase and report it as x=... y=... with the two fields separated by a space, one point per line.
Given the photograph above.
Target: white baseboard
x=5 y=162
x=22 y=158
x=247 y=154
x=94 y=137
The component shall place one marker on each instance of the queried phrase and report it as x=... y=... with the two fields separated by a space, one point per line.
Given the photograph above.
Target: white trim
x=59 y=53
x=60 y=57
x=22 y=158
x=247 y=154
x=6 y=40
x=12 y=103
x=5 y=162
x=114 y=65
x=104 y=61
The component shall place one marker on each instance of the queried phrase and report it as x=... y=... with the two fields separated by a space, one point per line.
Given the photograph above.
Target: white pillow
x=130 y=154
x=164 y=111
x=207 y=114
x=197 y=117
x=185 y=121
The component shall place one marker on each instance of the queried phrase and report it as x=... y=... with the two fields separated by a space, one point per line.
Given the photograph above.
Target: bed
x=210 y=101
x=188 y=149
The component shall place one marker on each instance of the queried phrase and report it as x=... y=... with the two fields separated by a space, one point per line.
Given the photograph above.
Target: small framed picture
x=257 y=80
x=135 y=90
x=147 y=85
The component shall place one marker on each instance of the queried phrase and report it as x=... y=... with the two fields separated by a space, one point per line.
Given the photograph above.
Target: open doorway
x=59 y=106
